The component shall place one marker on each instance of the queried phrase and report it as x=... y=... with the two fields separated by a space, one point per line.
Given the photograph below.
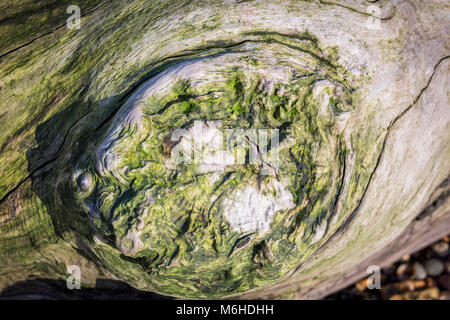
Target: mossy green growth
x=165 y=225
x=237 y=109
x=186 y=107
x=162 y=217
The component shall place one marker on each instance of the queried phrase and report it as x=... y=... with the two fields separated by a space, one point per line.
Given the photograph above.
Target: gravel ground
x=424 y=275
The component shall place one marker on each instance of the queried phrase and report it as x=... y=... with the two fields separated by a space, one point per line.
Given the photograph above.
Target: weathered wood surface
x=374 y=165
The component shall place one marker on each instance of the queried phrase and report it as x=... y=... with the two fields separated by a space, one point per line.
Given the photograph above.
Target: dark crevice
x=43 y=165
x=436 y=203
x=50 y=289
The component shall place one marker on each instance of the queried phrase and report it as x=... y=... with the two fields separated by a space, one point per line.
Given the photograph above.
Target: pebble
x=389 y=271
x=403 y=271
x=445 y=295
x=427 y=294
x=361 y=285
x=447 y=266
x=419 y=271
x=419 y=284
x=431 y=282
x=434 y=267
x=441 y=248
x=406 y=258
x=444 y=280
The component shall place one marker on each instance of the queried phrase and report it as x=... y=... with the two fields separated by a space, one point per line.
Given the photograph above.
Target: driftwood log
x=356 y=92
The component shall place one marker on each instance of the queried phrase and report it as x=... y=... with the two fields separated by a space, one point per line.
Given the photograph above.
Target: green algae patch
x=177 y=220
